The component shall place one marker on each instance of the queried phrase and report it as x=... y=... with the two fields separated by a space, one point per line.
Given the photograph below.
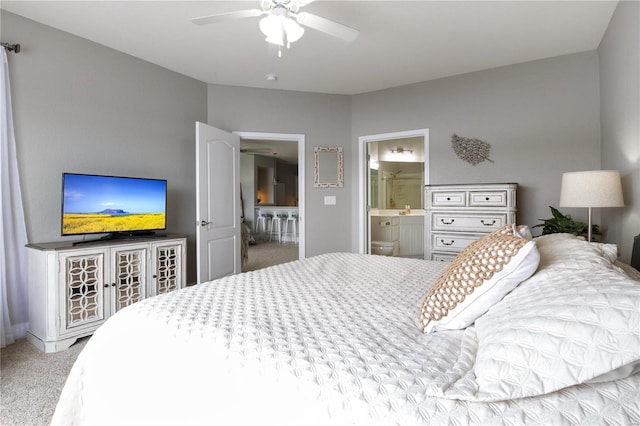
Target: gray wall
x=82 y=107
x=619 y=111
x=325 y=120
x=247 y=182
x=541 y=119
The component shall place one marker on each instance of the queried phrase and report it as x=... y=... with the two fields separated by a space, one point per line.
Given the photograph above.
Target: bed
x=339 y=339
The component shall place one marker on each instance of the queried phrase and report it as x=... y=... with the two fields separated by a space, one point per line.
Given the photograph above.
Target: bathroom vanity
x=395 y=233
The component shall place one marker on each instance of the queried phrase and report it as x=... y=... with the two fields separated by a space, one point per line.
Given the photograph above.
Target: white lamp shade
x=597 y=188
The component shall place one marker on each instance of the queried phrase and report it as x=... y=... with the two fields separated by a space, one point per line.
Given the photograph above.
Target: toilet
x=384 y=248
x=384 y=235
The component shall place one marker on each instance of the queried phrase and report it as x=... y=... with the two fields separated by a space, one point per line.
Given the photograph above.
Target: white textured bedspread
x=333 y=340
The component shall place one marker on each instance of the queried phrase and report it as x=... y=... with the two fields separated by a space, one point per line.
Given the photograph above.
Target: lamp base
x=589 y=229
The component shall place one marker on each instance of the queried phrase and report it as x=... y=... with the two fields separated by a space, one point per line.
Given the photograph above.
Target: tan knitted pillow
x=480 y=276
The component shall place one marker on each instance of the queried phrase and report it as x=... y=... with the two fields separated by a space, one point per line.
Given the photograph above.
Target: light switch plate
x=329 y=200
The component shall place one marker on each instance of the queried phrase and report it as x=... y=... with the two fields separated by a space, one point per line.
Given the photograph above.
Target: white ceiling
x=400 y=42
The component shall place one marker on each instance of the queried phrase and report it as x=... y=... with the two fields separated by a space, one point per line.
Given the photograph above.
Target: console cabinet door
x=128 y=276
x=168 y=267
x=82 y=290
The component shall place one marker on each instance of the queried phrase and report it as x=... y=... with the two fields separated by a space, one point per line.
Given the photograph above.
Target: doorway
x=393 y=169
x=278 y=160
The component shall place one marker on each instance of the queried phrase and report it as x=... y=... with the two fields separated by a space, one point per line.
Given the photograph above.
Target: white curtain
x=13 y=234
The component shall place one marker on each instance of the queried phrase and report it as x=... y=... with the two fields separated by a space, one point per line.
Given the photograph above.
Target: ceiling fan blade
x=256 y=151
x=301 y=3
x=327 y=26
x=228 y=16
x=249 y=147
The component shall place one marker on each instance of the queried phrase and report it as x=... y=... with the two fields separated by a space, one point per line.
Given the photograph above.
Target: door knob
x=204 y=223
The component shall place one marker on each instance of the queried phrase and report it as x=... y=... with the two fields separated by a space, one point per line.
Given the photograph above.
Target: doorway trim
x=363 y=206
x=300 y=139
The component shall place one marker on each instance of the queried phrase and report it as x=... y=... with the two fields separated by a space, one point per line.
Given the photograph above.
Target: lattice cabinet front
x=129 y=276
x=75 y=289
x=168 y=268
x=83 y=278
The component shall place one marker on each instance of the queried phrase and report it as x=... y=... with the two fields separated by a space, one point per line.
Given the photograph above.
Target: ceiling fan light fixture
x=276 y=39
x=271 y=27
x=293 y=30
x=280 y=29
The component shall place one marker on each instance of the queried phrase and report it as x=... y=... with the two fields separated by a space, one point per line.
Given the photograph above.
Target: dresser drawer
x=443 y=257
x=487 y=198
x=448 y=198
x=450 y=242
x=469 y=222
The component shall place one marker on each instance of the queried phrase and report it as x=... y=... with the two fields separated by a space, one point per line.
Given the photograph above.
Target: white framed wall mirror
x=328 y=166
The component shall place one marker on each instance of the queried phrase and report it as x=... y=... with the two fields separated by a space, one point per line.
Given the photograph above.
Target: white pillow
x=480 y=276
x=570 y=249
x=574 y=321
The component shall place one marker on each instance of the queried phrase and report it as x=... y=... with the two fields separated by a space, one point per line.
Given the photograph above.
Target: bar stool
x=262 y=222
x=290 y=231
x=275 y=226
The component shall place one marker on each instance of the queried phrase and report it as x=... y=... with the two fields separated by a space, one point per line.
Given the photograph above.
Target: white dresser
x=459 y=214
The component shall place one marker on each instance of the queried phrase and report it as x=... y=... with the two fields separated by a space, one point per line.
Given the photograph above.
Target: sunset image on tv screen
x=105 y=204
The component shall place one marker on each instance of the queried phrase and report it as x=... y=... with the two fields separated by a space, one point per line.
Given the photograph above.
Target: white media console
x=73 y=289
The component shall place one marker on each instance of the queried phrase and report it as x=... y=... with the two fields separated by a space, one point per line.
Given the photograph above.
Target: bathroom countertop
x=396 y=212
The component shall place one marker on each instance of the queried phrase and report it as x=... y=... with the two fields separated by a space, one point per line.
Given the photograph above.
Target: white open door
x=218 y=214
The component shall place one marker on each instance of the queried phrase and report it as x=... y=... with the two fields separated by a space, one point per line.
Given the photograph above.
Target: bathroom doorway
x=394 y=167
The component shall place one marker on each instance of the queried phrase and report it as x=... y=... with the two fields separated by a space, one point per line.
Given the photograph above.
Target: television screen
x=93 y=204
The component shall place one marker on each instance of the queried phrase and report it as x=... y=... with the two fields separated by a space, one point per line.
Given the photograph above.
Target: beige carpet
x=31 y=382
x=271 y=253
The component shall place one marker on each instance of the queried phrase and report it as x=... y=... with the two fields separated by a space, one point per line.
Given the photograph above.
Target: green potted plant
x=561 y=223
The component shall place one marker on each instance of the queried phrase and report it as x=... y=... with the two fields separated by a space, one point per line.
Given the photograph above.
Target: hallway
x=269 y=253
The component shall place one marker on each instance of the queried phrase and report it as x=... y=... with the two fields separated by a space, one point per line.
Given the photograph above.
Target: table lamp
x=596 y=188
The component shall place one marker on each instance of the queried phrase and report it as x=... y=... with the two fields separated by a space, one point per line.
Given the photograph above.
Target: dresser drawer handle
x=448 y=198
x=447 y=244
x=493 y=222
x=486 y=198
x=447 y=223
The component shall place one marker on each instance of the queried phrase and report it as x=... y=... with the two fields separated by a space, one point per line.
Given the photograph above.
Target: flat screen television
x=117 y=205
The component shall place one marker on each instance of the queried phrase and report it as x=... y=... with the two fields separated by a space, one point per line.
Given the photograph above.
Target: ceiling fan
x=251 y=149
x=283 y=22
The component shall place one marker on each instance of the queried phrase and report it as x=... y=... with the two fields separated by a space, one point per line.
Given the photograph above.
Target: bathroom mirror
x=328 y=165
x=397 y=184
